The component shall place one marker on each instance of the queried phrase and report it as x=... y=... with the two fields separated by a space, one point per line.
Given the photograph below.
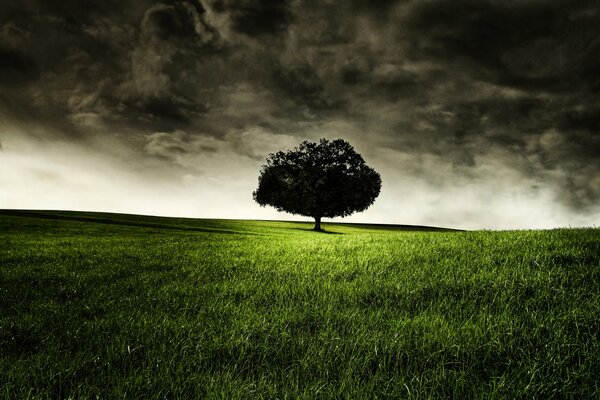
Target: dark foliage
x=325 y=179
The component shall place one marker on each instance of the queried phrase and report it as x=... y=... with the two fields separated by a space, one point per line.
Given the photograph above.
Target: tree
x=326 y=179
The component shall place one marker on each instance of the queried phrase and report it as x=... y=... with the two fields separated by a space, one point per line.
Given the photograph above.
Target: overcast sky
x=477 y=114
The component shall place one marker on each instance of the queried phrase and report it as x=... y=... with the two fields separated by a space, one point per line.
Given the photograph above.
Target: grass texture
x=119 y=306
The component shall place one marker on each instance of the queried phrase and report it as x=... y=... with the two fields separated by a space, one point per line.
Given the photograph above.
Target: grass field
x=120 y=306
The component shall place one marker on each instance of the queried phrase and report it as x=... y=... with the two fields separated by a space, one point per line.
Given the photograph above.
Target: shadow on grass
x=317 y=232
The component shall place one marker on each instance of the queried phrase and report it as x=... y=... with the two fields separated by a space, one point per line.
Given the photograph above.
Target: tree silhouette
x=326 y=179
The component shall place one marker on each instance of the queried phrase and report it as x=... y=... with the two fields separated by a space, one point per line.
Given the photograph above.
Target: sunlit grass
x=137 y=307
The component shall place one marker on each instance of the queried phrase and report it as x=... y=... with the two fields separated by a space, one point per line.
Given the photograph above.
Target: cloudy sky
x=477 y=114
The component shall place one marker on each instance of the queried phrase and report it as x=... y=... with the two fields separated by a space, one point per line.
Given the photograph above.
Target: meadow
x=119 y=306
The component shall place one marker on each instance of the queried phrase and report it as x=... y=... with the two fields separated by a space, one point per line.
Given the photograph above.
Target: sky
x=477 y=114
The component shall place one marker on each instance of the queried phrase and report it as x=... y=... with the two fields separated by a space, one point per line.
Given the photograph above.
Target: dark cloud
x=378 y=8
x=16 y=67
x=533 y=44
x=179 y=19
x=256 y=17
x=302 y=83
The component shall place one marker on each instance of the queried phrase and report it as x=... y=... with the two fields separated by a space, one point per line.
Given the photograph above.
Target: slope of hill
x=199 y=224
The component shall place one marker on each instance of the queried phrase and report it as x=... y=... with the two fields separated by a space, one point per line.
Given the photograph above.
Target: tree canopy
x=326 y=179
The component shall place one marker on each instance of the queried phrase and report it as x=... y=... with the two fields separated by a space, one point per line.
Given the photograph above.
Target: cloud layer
x=462 y=105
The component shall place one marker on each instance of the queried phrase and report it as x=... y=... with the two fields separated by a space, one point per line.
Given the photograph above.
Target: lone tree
x=325 y=179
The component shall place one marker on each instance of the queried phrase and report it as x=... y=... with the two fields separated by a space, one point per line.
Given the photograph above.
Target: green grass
x=118 y=306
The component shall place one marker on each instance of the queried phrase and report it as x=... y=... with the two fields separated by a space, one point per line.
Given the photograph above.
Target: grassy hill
x=122 y=306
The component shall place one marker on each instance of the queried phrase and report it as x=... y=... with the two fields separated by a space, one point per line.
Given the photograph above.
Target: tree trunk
x=317 y=224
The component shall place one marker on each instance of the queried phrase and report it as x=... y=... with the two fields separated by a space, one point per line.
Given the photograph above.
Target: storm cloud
x=477 y=113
